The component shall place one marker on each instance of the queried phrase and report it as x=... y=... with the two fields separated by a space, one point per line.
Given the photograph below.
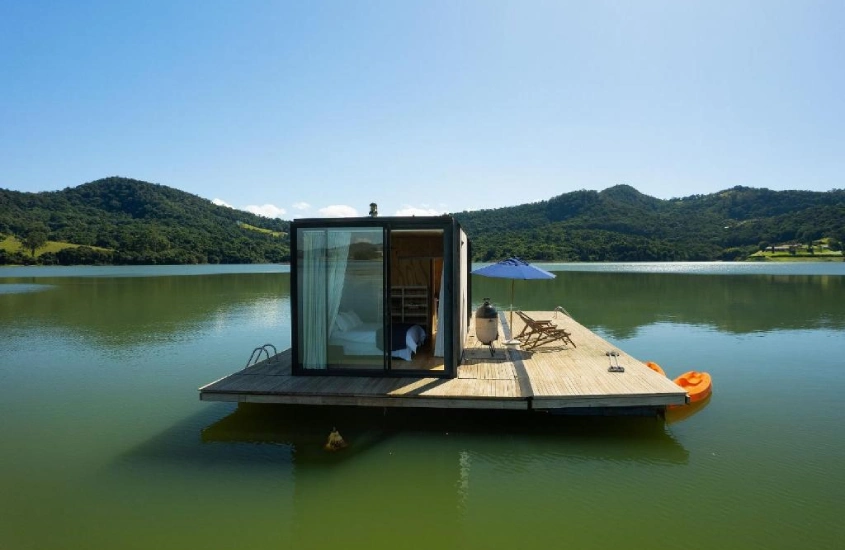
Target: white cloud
x=338 y=211
x=424 y=210
x=266 y=210
x=301 y=206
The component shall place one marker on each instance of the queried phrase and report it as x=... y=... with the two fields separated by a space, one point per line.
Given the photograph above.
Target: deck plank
x=552 y=376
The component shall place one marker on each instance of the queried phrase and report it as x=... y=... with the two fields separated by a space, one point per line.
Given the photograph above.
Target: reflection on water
x=622 y=303
x=134 y=271
x=182 y=444
x=706 y=268
x=126 y=311
x=98 y=379
x=442 y=475
x=306 y=429
x=679 y=414
x=12 y=288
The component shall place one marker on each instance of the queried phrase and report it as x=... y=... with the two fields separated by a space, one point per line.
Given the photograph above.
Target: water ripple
x=18 y=288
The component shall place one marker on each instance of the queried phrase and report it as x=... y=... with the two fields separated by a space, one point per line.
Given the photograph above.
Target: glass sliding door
x=340 y=317
x=416 y=265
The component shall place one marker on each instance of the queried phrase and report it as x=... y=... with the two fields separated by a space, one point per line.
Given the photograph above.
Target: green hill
x=12 y=245
x=125 y=221
x=622 y=224
x=139 y=223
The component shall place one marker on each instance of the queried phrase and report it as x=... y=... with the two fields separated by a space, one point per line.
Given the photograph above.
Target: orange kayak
x=697 y=384
x=655 y=367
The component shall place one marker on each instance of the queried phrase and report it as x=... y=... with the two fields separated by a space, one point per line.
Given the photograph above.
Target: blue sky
x=317 y=108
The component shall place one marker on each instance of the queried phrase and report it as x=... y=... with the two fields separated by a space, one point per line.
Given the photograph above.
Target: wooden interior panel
x=416 y=246
x=417 y=260
x=410 y=272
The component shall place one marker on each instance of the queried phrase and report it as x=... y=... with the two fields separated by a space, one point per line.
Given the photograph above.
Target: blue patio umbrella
x=513 y=269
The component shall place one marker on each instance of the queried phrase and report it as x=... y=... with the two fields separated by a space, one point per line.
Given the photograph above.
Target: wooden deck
x=551 y=377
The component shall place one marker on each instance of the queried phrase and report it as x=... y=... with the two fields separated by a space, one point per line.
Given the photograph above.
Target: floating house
x=379 y=296
x=381 y=316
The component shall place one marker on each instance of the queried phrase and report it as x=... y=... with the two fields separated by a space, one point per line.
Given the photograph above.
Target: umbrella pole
x=513 y=281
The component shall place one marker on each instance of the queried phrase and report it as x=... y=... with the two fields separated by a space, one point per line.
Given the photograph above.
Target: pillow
x=343 y=323
x=354 y=319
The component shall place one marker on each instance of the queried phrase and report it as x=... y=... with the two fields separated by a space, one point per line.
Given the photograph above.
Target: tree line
x=622 y=224
x=125 y=221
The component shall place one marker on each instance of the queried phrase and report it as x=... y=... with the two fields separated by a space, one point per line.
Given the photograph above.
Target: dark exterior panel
x=451 y=292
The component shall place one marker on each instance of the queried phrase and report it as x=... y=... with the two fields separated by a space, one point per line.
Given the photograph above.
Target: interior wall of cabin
x=436 y=280
x=417 y=260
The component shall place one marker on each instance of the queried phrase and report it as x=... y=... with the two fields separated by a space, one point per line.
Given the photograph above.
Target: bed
x=359 y=338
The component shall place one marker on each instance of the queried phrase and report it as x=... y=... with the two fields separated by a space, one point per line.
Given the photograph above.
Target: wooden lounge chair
x=536 y=333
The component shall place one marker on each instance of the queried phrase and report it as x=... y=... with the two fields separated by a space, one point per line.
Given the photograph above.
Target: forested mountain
x=622 y=224
x=134 y=222
x=140 y=223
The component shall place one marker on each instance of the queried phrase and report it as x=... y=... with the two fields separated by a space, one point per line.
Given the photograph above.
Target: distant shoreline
x=799 y=259
x=752 y=260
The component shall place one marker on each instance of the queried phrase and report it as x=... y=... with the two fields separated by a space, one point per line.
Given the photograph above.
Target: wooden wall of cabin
x=411 y=259
x=436 y=270
x=410 y=272
x=417 y=260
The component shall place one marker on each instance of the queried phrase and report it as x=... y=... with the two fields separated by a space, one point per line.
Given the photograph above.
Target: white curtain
x=438 y=340
x=312 y=300
x=338 y=256
x=325 y=255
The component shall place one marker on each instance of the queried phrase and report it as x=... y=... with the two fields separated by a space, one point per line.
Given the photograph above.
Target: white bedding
x=365 y=333
x=361 y=340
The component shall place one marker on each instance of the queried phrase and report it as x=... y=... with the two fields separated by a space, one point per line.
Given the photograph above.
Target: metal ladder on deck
x=561 y=309
x=255 y=356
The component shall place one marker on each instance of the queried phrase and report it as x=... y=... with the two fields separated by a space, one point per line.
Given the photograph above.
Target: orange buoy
x=697 y=384
x=655 y=367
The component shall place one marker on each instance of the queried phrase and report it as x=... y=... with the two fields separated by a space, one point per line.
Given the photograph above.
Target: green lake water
x=104 y=443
